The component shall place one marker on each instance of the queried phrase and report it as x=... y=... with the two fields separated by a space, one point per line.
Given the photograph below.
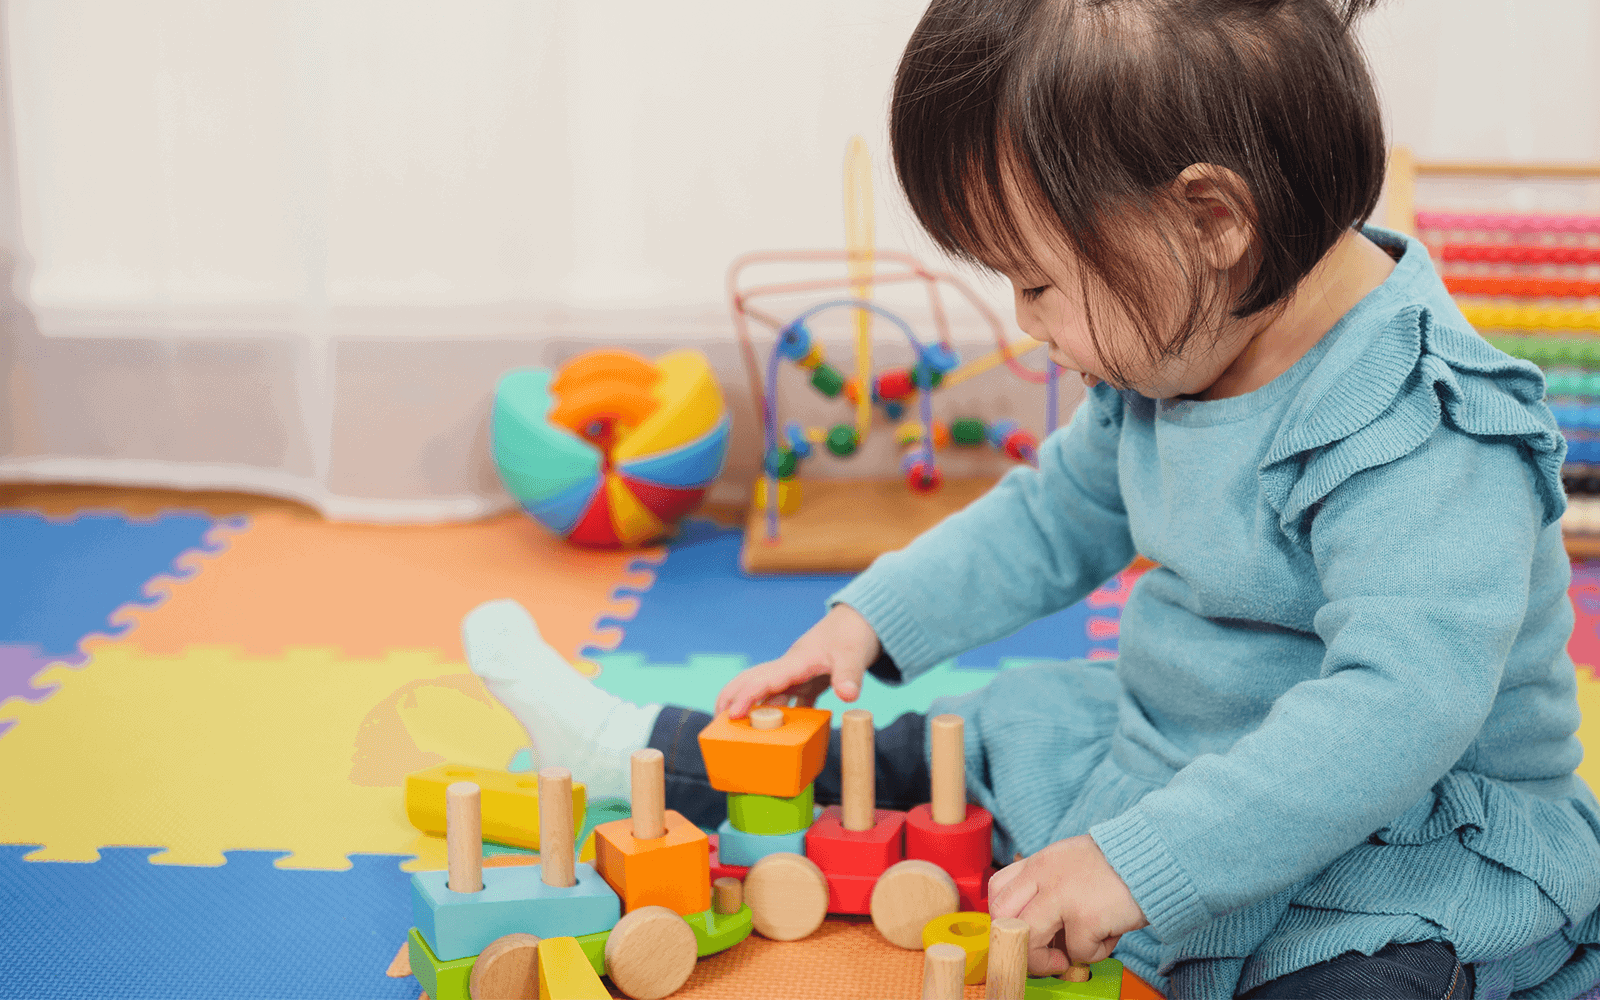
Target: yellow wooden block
x=565 y=972
x=510 y=802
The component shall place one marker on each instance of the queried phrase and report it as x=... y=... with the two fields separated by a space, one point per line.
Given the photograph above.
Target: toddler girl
x=1335 y=755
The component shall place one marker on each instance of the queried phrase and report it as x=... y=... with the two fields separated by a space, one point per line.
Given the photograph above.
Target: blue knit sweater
x=1343 y=713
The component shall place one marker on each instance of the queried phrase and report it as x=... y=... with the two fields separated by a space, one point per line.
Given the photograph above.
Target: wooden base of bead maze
x=843 y=524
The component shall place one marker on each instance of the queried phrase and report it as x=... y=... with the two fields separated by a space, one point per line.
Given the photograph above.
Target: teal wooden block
x=1105 y=983
x=714 y=932
x=771 y=814
x=459 y=924
x=440 y=980
x=735 y=847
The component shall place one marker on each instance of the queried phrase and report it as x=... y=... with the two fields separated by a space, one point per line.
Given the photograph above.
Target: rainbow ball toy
x=612 y=450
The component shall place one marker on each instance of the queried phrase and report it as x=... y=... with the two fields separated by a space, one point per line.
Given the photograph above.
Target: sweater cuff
x=902 y=639
x=1159 y=885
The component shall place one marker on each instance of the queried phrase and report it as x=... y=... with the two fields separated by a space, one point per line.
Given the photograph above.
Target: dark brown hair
x=1099 y=105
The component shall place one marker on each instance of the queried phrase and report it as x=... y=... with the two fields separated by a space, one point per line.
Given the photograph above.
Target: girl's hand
x=1069 y=886
x=841 y=646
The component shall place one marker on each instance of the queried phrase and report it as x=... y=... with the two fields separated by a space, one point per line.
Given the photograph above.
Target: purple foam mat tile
x=18 y=665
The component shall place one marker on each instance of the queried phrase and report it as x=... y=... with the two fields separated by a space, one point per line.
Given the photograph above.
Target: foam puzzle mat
x=206 y=720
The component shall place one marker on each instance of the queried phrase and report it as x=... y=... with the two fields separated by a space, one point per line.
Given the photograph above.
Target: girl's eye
x=1033 y=293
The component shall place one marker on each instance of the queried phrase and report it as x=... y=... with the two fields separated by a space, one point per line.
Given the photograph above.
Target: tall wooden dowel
x=944 y=970
x=949 y=769
x=1008 y=959
x=858 y=771
x=555 y=828
x=649 y=778
x=463 y=836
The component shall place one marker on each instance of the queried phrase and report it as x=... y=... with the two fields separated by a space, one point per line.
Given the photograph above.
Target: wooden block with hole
x=655 y=857
x=1104 y=983
x=950 y=831
x=565 y=972
x=967 y=931
x=510 y=803
x=439 y=979
x=773 y=751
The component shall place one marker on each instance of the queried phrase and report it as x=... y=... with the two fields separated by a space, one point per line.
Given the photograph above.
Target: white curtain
x=289 y=246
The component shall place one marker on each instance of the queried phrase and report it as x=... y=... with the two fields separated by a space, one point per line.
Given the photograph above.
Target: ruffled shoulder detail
x=1376 y=399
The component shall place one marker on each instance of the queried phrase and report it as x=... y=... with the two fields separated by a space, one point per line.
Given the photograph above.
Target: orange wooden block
x=672 y=871
x=779 y=762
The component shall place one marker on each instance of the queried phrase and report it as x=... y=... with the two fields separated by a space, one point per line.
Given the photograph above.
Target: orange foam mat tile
x=292 y=579
x=845 y=959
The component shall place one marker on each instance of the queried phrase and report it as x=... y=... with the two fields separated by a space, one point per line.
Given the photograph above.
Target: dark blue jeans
x=1427 y=970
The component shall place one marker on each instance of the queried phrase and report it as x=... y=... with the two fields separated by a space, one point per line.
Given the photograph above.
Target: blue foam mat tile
x=701 y=600
x=124 y=928
x=61 y=580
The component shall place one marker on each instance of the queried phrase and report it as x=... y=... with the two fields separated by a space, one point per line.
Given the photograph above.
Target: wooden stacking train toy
x=659 y=895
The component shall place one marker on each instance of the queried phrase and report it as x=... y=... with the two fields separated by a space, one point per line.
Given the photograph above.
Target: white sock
x=572 y=723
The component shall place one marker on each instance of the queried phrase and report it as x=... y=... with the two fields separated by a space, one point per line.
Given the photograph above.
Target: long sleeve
x=1424 y=563
x=1039 y=541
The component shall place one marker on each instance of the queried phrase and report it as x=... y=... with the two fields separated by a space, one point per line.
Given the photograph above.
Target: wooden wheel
x=787 y=895
x=506 y=970
x=907 y=896
x=650 y=953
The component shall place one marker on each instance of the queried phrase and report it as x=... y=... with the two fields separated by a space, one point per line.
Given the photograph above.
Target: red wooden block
x=963 y=848
x=838 y=851
x=974 y=890
x=850 y=893
x=720 y=870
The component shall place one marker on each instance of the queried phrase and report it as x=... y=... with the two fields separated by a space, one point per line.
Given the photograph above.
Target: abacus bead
x=967 y=431
x=827 y=380
x=842 y=440
x=795 y=341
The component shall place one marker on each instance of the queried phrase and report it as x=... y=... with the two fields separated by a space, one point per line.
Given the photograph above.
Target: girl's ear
x=1217 y=202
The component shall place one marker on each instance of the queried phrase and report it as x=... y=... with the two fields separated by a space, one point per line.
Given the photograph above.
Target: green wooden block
x=770 y=815
x=440 y=980
x=714 y=932
x=1105 y=983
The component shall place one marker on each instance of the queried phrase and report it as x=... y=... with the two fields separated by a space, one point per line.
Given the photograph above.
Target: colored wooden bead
x=827 y=380
x=922 y=478
x=736 y=847
x=781 y=462
x=908 y=433
x=1021 y=445
x=852 y=390
x=967 y=432
x=894 y=409
x=942 y=358
x=798 y=442
x=780 y=762
x=673 y=870
x=812 y=359
x=795 y=341
x=788 y=495
x=959 y=848
x=851 y=852
x=967 y=931
x=998 y=431
x=893 y=384
x=772 y=814
x=842 y=440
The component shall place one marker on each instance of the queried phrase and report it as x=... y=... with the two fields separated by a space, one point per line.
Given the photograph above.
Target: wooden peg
x=944 y=968
x=508 y=969
x=1077 y=972
x=650 y=953
x=1008 y=959
x=649 y=784
x=766 y=717
x=555 y=828
x=463 y=834
x=858 y=770
x=727 y=895
x=949 y=767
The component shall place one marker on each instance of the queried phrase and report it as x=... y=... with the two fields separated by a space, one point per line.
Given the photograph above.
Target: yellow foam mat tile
x=212 y=750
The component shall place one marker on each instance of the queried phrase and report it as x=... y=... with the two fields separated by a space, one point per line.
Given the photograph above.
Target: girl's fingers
x=847 y=680
x=805 y=695
x=1009 y=893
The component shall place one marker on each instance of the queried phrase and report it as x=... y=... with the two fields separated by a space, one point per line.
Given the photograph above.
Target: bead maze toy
x=612 y=450
x=818 y=525
x=553 y=929
x=1528 y=282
